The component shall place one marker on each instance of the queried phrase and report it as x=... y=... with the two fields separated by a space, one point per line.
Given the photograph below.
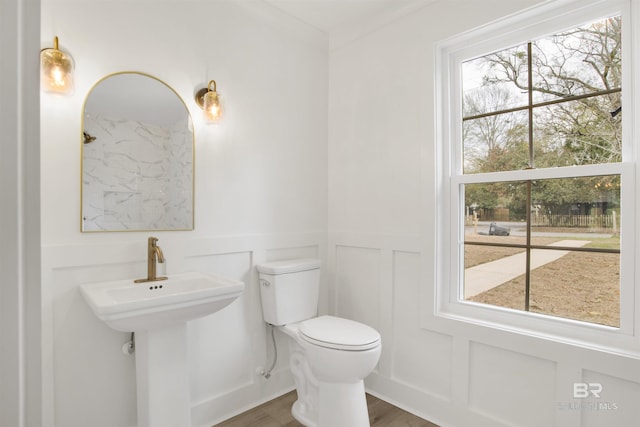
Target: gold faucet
x=153 y=252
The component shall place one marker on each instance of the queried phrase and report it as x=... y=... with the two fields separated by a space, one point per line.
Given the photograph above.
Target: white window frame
x=548 y=18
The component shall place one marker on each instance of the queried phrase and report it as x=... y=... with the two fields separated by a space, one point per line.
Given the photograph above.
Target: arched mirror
x=137 y=156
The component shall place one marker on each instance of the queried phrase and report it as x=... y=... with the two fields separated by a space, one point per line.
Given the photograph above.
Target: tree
x=582 y=68
x=494 y=142
x=582 y=61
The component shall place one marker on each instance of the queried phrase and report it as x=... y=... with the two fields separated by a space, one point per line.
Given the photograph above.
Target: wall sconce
x=211 y=103
x=56 y=70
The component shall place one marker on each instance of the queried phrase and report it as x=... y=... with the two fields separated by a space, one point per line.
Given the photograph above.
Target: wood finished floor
x=277 y=413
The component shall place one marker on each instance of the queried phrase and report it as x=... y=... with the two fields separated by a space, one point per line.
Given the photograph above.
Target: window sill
x=494 y=324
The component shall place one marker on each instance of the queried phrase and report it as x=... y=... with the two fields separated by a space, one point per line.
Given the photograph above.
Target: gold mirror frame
x=126 y=199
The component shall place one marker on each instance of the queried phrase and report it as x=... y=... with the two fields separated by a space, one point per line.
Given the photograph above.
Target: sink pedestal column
x=162 y=377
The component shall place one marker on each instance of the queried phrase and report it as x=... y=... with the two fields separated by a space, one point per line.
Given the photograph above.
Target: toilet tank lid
x=289 y=266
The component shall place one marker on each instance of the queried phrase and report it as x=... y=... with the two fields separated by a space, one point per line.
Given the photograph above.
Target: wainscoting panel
x=88 y=363
x=357 y=285
x=610 y=400
x=420 y=358
x=459 y=374
x=505 y=384
x=219 y=359
x=86 y=373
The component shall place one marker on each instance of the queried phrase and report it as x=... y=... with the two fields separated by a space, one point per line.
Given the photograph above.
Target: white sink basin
x=131 y=307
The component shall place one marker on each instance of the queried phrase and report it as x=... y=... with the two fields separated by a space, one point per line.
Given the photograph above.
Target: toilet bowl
x=339 y=350
x=329 y=356
x=329 y=370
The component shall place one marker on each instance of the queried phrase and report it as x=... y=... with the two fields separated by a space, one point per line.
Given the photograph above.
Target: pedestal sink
x=158 y=313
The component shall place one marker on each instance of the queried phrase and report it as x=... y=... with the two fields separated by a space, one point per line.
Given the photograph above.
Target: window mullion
x=544 y=103
x=527 y=281
x=530 y=109
x=527 y=275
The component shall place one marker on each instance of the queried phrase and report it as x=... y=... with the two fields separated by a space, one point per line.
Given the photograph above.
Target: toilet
x=329 y=356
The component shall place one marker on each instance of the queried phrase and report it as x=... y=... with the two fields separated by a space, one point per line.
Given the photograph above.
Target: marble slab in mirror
x=137 y=156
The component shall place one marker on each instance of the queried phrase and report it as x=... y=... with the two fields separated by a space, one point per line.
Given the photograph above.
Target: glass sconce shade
x=211 y=103
x=213 y=107
x=56 y=70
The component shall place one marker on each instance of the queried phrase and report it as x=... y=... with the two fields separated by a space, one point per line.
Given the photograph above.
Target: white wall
x=381 y=256
x=20 y=373
x=261 y=193
x=264 y=184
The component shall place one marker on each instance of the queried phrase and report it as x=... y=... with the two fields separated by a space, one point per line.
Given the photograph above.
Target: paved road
x=517 y=229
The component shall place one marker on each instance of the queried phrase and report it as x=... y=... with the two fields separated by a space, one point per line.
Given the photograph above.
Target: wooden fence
x=609 y=221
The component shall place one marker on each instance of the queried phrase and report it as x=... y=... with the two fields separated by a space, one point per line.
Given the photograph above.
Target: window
x=536 y=171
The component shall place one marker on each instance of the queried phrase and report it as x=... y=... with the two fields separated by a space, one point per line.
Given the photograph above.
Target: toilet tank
x=289 y=290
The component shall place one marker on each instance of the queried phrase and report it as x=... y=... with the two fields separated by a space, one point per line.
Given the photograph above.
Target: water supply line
x=129 y=347
x=267 y=373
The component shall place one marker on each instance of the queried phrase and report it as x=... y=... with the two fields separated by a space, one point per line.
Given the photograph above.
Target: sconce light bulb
x=57 y=77
x=214 y=111
x=213 y=107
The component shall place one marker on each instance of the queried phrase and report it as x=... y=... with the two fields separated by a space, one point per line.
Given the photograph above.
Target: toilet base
x=342 y=405
x=339 y=405
x=322 y=403
x=300 y=414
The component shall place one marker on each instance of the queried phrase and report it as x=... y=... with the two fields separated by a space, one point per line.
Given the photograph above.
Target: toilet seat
x=340 y=334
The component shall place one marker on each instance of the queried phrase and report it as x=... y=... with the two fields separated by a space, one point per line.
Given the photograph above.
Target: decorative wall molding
x=461 y=374
x=216 y=393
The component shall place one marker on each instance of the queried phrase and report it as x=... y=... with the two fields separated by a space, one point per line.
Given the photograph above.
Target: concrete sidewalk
x=483 y=277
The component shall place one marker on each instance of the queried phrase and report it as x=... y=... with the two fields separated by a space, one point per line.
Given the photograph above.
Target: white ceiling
x=333 y=16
